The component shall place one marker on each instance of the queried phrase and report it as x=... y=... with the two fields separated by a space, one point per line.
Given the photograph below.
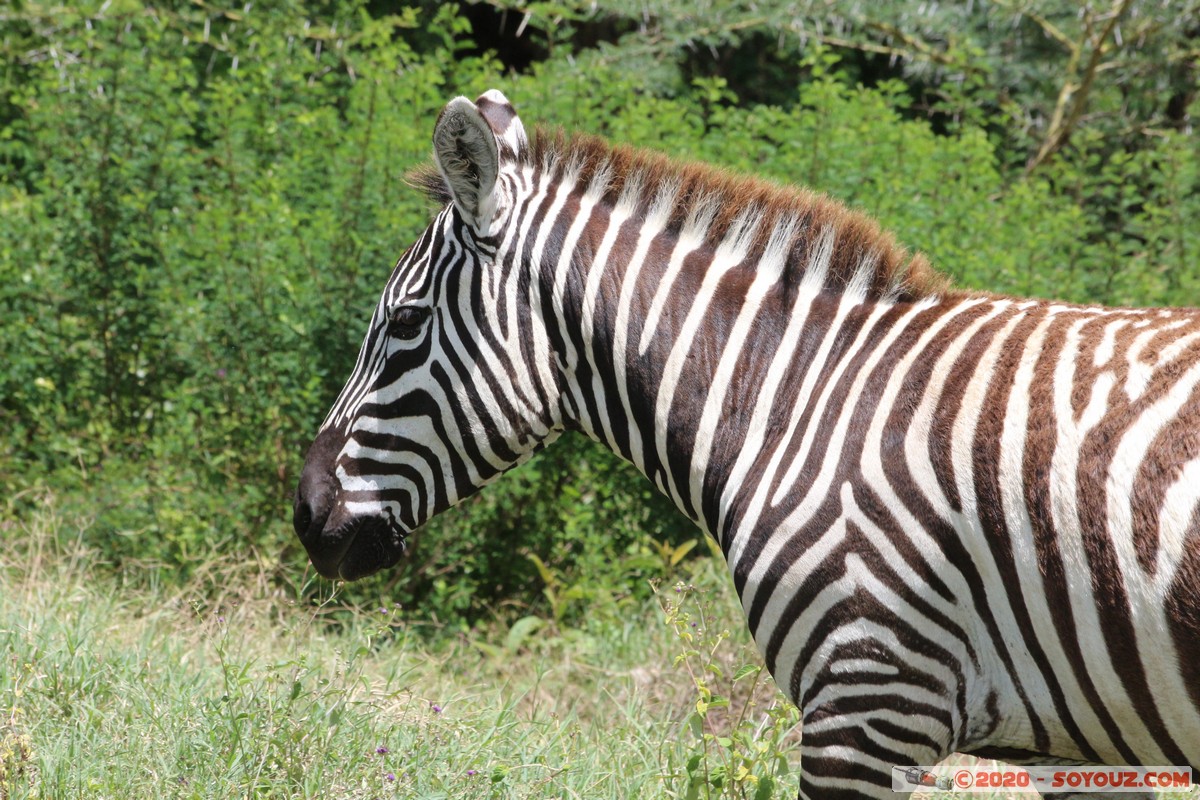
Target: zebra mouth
x=376 y=546
x=358 y=548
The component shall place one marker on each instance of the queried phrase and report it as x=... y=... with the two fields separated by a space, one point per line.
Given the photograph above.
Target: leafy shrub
x=199 y=208
x=741 y=729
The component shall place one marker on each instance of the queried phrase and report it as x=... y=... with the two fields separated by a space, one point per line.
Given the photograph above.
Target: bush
x=200 y=208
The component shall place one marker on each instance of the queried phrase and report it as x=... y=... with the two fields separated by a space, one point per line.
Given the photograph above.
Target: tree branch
x=1073 y=96
x=1048 y=27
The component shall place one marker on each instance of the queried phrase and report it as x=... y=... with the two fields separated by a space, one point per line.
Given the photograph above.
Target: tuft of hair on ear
x=429 y=181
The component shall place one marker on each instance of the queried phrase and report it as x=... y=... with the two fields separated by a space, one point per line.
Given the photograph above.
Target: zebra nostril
x=302 y=517
x=317 y=491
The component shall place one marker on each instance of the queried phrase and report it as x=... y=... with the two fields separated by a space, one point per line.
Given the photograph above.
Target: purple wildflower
x=381 y=750
x=221 y=372
x=391 y=776
x=471 y=772
x=436 y=708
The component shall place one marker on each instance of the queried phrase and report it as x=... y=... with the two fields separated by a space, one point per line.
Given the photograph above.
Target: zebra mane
x=864 y=257
x=859 y=245
x=428 y=181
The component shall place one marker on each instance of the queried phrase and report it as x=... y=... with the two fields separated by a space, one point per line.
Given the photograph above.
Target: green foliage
x=1129 y=63
x=198 y=208
x=741 y=728
x=187 y=197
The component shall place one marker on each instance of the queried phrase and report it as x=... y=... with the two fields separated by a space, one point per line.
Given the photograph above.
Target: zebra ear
x=464 y=148
x=502 y=118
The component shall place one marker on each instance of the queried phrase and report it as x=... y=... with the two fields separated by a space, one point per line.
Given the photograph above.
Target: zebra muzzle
x=358 y=548
x=352 y=549
x=341 y=544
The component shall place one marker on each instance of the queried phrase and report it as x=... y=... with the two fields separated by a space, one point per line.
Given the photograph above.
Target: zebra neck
x=671 y=347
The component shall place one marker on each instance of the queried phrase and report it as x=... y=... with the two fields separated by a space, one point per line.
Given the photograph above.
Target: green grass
x=113 y=688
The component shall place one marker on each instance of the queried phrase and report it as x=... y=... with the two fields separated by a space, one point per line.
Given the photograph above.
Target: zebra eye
x=406 y=321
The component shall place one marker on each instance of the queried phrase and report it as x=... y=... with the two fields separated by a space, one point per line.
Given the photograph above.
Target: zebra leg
x=847 y=752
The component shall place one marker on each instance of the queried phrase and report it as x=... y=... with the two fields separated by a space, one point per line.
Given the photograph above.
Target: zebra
x=956 y=521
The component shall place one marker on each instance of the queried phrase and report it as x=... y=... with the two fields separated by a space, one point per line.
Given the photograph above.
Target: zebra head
x=431 y=411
